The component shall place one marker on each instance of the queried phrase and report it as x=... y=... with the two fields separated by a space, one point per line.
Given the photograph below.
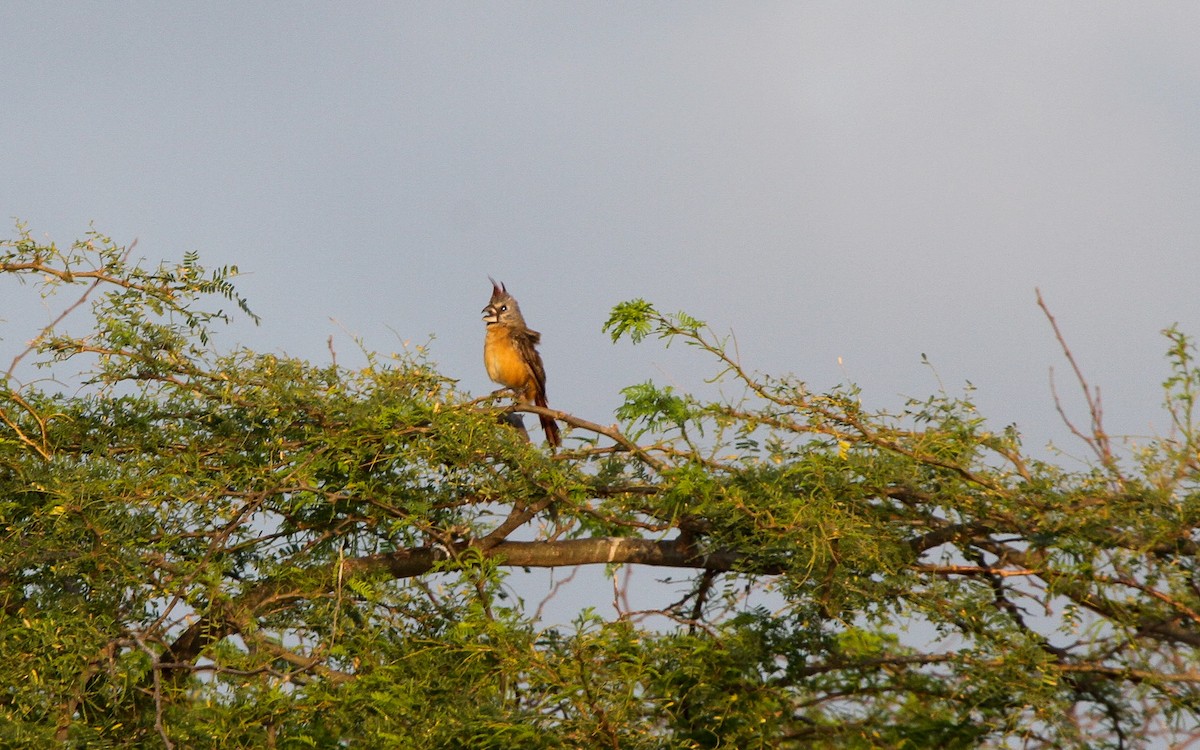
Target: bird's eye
x=503 y=308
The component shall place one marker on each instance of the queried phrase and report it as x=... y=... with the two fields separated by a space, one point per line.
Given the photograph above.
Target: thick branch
x=409 y=563
x=672 y=553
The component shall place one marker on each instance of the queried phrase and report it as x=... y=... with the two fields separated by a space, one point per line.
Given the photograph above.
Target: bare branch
x=1098 y=440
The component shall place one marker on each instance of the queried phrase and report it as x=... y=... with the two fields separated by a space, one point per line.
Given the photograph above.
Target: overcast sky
x=863 y=181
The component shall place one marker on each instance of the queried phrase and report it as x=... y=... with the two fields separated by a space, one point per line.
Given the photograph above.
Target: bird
x=511 y=357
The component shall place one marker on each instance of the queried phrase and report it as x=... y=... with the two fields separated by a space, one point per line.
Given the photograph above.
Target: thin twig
x=158 y=703
x=97 y=281
x=1099 y=440
x=537 y=616
x=42 y=449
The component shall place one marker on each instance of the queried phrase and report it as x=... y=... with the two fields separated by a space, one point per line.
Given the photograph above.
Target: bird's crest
x=498 y=290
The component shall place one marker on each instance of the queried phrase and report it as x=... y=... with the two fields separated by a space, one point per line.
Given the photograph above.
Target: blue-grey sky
x=863 y=181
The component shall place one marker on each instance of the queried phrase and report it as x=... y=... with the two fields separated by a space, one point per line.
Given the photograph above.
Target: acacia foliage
x=205 y=548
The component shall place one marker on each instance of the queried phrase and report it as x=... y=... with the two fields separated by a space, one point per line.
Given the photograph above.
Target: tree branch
x=409 y=563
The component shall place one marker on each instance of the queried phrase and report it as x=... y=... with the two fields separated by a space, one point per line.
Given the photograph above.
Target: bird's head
x=502 y=308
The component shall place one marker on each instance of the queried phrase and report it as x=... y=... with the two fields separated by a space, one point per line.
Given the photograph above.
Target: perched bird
x=511 y=358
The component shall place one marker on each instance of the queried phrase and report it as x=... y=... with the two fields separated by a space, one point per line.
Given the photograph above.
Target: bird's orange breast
x=502 y=360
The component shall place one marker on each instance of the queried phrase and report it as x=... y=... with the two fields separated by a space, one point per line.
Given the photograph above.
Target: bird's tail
x=549 y=426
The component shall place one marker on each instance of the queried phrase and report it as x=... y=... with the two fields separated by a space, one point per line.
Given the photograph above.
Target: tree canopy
x=226 y=548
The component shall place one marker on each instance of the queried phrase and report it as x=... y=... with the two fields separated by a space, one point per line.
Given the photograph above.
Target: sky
x=844 y=187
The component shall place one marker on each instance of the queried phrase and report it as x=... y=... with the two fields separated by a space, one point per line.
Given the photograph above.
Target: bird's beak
x=489 y=314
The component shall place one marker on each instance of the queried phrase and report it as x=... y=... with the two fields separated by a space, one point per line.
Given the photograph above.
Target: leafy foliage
x=208 y=548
